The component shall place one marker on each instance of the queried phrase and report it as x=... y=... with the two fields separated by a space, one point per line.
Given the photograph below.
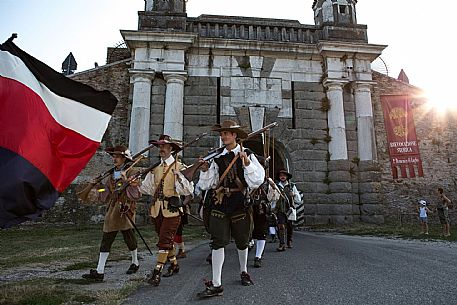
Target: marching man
x=228 y=177
x=166 y=184
x=119 y=208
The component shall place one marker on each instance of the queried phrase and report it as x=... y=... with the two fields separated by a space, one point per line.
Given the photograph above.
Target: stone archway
x=277 y=153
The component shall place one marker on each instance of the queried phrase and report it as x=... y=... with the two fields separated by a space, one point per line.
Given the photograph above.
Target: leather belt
x=228 y=191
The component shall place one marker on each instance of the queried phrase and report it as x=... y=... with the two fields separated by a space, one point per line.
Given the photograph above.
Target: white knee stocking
x=243 y=257
x=102 y=262
x=216 y=264
x=259 y=246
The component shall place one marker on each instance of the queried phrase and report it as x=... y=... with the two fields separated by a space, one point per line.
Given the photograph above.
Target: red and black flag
x=50 y=127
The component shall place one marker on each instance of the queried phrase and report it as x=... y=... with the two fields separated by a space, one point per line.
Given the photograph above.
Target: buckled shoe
x=173 y=269
x=154 y=280
x=257 y=262
x=246 y=279
x=93 y=275
x=211 y=291
x=133 y=269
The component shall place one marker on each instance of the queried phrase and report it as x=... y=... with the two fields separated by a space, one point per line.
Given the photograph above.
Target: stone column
x=337 y=127
x=174 y=104
x=149 y=5
x=141 y=109
x=365 y=125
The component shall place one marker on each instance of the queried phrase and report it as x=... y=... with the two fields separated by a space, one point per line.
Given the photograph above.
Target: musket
x=195 y=217
x=84 y=193
x=142 y=174
x=276 y=188
x=139 y=232
x=191 y=170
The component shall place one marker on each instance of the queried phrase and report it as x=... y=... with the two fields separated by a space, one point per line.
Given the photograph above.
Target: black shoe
x=93 y=275
x=257 y=262
x=246 y=279
x=133 y=269
x=173 y=269
x=281 y=248
x=154 y=280
x=211 y=291
x=181 y=254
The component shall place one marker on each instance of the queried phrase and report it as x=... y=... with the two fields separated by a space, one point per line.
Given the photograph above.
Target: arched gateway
x=276 y=151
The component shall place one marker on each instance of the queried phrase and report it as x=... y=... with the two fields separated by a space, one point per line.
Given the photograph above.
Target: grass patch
x=66 y=248
x=80 y=266
x=391 y=231
x=112 y=296
x=39 y=292
x=194 y=233
x=74 y=248
x=60 y=246
x=80 y=281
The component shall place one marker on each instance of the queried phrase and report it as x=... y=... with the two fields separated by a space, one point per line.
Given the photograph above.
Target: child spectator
x=423 y=218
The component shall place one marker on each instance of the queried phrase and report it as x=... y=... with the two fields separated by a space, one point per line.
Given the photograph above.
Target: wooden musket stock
x=142 y=174
x=84 y=193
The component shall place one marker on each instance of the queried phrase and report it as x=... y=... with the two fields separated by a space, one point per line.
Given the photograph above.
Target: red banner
x=401 y=137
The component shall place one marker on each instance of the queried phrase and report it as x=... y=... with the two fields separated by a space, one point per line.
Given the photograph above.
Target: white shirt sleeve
x=148 y=186
x=183 y=186
x=254 y=174
x=273 y=194
x=210 y=178
x=297 y=197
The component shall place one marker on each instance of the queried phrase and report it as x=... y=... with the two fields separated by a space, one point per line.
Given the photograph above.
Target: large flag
x=50 y=127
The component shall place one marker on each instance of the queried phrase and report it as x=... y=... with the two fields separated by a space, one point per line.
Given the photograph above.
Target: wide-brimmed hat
x=231 y=126
x=283 y=171
x=166 y=139
x=120 y=150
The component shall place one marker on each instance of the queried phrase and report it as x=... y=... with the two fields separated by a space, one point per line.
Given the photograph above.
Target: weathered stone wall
x=117 y=54
x=436 y=137
x=200 y=113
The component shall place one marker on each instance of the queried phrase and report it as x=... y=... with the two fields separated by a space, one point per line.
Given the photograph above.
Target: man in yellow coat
x=166 y=184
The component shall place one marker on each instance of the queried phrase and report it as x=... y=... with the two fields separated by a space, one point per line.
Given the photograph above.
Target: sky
x=419 y=35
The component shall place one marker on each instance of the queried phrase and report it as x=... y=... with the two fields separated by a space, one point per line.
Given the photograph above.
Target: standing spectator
x=423 y=218
x=443 y=212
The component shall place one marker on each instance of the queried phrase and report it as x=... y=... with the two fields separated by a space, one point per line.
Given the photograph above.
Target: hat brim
x=238 y=130
x=289 y=175
x=120 y=153
x=174 y=146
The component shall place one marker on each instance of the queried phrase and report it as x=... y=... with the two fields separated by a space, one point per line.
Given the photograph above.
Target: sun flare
x=442 y=100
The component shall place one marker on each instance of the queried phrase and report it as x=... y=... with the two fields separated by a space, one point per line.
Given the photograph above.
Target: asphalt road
x=322 y=268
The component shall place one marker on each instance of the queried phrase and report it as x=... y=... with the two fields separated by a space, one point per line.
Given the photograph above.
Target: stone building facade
x=180 y=75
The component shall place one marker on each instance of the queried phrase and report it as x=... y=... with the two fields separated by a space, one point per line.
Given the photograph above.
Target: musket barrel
x=191 y=170
x=143 y=173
